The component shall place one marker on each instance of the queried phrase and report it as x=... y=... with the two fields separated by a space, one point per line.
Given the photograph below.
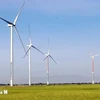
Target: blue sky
x=72 y=27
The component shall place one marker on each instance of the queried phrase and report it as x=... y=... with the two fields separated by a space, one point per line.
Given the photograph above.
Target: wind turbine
x=92 y=57
x=47 y=63
x=30 y=45
x=13 y=25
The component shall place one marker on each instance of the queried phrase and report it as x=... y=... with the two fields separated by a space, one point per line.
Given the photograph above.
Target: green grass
x=52 y=92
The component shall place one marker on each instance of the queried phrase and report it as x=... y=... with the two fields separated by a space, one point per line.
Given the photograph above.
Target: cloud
x=57 y=6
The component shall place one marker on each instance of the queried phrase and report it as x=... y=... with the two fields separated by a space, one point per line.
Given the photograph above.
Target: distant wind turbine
x=30 y=45
x=92 y=57
x=47 y=65
x=13 y=25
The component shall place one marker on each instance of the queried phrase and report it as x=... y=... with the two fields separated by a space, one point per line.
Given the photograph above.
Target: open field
x=52 y=92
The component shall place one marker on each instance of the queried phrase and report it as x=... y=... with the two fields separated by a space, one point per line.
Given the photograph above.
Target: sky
x=72 y=27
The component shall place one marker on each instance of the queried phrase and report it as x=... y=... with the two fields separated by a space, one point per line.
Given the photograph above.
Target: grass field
x=52 y=92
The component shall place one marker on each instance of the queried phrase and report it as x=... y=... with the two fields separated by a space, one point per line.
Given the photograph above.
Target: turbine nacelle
x=29 y=45
x=10 y=25
x=92 y=57
x=47 y=54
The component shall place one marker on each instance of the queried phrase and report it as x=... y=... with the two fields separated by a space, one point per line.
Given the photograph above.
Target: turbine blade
x=6 y=21
x=38 y=50
x=18 y=14
x=45 y=58
x=92 y=56
x=96 y=55
x=52 y=58
x=19 y=38
x=48 y=46
x=27 y=52
x=29 y=34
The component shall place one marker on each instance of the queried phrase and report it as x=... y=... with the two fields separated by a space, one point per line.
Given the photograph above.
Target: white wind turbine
x=13 y=25
x=92 y=57
x=47 y=63
x=30 y=45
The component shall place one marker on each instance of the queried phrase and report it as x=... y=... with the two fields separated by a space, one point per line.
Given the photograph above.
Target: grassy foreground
x=52 y=92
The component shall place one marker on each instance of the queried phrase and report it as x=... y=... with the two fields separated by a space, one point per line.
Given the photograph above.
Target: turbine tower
x=47 y=62
x=92 y=57
x=13 y=25
x=30 y=45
